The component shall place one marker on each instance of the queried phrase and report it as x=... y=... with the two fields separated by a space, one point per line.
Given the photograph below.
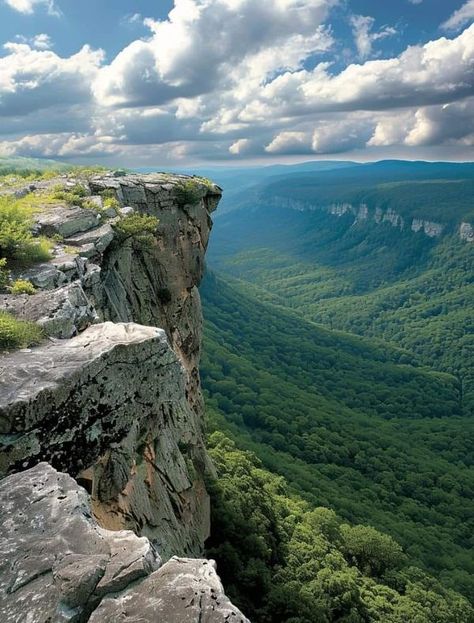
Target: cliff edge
x=111 y=397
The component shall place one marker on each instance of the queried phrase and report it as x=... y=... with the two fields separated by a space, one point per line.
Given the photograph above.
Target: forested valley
x=339 y=353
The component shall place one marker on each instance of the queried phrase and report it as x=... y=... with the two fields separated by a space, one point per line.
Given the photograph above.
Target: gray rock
x=126 y=211
x=66 y=220
x=45 y=276
x=182 y=591
x=56 y=563
x=62 y=312
x=128 y=424
x=110 y=401
x=466 y=232
x=99 y=237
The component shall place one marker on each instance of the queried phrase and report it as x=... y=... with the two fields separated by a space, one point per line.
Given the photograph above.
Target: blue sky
x=191 y=81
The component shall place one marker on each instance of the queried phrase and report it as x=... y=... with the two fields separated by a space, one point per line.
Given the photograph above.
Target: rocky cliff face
x=113 y=397
x=118 y=406
x=362 y=212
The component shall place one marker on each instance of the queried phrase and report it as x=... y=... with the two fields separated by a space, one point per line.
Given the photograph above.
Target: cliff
x=362 y=212
x=112 y=398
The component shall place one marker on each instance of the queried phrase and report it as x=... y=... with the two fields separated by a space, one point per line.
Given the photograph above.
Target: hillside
x=347 y=421
x=413 y=290
x=422 y=190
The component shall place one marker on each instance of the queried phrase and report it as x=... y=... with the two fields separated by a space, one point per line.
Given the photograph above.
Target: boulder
x=184 y=590
x=56 y=563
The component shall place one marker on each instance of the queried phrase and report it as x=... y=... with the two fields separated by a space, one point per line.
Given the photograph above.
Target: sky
x=186 y=82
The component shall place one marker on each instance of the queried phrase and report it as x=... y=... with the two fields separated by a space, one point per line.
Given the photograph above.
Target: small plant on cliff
x=4 y=274
x=17 y=243
x=139 y=227
x=75 y=195
x=16 y=333
x=190 y=191
x=111 y=202
x=22 y=286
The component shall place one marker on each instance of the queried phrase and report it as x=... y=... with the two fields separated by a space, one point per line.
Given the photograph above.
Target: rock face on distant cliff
x=58 y=565
x=118 y=406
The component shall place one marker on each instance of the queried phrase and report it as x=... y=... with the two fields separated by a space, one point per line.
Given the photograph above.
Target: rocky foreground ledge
x=57 y=565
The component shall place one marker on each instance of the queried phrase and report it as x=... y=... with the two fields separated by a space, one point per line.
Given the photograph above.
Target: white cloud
x=235 y=79
x=461 y=17
x=240 y=146
x=39 y=42
x=205 y=44
x=290 y=143
x=59 y=146
x=31 y=79
x=364 y=37
x=415 y=1
x=28 y=6
x=437 y=72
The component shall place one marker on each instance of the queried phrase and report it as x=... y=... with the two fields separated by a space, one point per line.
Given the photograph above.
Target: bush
x=4 y=274
x=111 y=202
x=140 y=227
x=22 y=286
x=75 y=195
x=190 y=191
x=16 y=333
x=17 y=242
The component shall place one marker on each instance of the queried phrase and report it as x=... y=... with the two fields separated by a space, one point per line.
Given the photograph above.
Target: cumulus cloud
x=240 y=147
x=58 y=146
x=204 y=43
x=28 y=6
x=461 y=17
x=437 y=72
x=235 y=79
x=32 y=79
x=362 y=27
x=290 y=143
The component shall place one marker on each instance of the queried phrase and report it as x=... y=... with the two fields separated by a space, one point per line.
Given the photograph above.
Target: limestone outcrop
x=113 y=397
x=58 y=565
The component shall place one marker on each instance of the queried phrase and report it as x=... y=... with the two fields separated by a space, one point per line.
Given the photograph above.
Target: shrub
x=17 y=242
x=16 y=333
x=4 y=273
x=111 y=202
x=22 y=286
x=189 y=191
x=140 y=227
x=75 y=195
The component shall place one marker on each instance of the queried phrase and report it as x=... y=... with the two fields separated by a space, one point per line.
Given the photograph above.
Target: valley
x=340 y=352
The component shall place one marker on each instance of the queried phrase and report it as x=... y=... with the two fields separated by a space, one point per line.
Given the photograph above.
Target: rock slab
x=56 y=563
x=58 y=566
x=112 y=397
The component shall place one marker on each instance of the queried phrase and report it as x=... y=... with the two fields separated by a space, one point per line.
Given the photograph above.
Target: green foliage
x=111 y=202
x=75 y=195
x=17 y=243
x=282 y=562
x=192 y=190
x=371 y=551
x=352 y=423
x=4 y=274
x=16 y=333
x=22 y=286
x=344 y=421
x=139 y=227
